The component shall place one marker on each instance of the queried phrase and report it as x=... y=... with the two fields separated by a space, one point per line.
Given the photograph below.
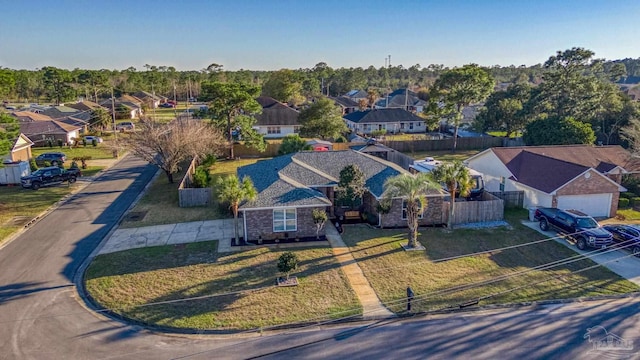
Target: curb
x=57 y=204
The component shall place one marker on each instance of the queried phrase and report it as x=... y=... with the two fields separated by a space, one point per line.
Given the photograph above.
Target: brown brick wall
x=433 y=214
x=260 y=223
x=593 y=185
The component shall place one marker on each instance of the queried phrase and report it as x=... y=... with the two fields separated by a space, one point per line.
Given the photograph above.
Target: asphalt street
x=42 y=316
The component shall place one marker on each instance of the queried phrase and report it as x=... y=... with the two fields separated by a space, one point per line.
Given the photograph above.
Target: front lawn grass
x=18 y=205
x=160 y=204
x=98 y=152
x=446 y=155
x=122 y=280
x=390 y=269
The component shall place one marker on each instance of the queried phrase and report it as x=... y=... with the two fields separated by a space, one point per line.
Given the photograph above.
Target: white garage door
x=593 y=204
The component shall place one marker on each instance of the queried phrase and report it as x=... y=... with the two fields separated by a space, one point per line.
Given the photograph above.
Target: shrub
x=32 y=164
x=379 y=132
x=627 y=195
x=94 y=142
x=49 y=143
x=84 y=142
x=340 y=139
x=59 y=143
x=209 y=161
x=287 y=262
x=635 y=202
x=623 y=203
x=201 y=177
x=631 y=182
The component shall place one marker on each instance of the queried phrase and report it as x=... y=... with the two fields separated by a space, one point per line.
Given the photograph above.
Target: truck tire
x=35 y=186
x=581 y=243
x=72 y=179
x=636 y=251
x=544 y=224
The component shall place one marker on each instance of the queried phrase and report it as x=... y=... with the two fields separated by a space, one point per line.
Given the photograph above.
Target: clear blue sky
x=267 y=35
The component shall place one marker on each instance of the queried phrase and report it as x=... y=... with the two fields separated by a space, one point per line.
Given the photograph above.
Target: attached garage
x=597 y=205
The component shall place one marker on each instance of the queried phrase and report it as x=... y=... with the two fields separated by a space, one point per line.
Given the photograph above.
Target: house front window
x=502 y=182
x=410 y=126
x=284 y=220
x=401 y=126
x=404 y=210
x=296 y=129
x=273 y=129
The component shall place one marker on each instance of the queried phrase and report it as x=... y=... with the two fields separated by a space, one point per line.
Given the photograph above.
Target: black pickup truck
x=48 y=176
x=580 y=227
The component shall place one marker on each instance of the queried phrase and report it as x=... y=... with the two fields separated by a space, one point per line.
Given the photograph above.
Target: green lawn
x=125 y=279
x=18 y=205
x=390 y=269
x=160 y=204
x=99 y=152
x=444 y=155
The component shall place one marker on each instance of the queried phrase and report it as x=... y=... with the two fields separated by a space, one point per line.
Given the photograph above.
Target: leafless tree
x=631 y=134
x=166 y=145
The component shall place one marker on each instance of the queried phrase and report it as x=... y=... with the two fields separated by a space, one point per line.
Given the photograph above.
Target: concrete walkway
x=171 y=234
x=372 y=307
x=619 y=261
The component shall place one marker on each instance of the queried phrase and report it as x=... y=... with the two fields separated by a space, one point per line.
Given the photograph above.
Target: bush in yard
x=32 y=164
x=94 y=142
x=635 y=202
x=627 y=195
x=379 y=132
x=209 y=161
x=50 y=143
x=631 y=182
x=623 y=203
x=59 y=143
x=84 y=142
x=201 y=177
x=287 y=262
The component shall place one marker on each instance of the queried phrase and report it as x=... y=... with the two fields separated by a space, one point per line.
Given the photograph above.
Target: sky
x=276 y=34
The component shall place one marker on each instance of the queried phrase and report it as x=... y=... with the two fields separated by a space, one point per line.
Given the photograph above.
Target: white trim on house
x=283 y=207
x=244 y=227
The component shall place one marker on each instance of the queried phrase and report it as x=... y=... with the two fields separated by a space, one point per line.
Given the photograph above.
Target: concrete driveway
x=619 y=261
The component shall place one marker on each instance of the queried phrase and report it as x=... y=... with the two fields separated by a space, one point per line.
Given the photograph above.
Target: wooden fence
x=188 y=196
x=473 y=143
x=511 y=198
x=489 y=208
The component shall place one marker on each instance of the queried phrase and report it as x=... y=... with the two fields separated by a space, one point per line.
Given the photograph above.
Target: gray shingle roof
x=382 y=116
x=275 y=113
x=286 y=180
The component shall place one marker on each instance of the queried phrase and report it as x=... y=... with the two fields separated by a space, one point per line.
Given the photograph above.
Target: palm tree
x=234 y=191
x=413 y=190
x=456 y=178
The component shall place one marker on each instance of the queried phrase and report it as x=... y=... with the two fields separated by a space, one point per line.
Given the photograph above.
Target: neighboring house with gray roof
x=394 y=120
x=581 y=177
x=348 y=106
x=41 y=131
x=403 y=99
x=291 y=186
x=277 y=119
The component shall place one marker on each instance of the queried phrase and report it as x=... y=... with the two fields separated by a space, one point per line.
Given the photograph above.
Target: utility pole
x=113 y=116
x=389 y=60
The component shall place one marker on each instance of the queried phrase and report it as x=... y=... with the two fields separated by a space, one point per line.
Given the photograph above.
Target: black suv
x=51 y=159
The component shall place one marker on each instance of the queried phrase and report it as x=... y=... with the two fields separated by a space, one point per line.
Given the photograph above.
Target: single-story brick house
x=582 y=177
x=41 y=131
x=291 y=186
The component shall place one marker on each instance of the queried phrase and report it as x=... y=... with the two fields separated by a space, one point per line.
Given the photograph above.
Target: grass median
x=237 y=289
x=390 y=269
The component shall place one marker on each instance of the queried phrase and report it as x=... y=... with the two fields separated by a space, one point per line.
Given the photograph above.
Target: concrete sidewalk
x=620 y=261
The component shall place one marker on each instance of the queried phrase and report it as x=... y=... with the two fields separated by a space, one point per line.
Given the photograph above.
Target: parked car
x=582 y=228
x=51 y=159
x=89 y=139
x=48 y=176
x=167 y=105
x=627 y=236
x=125 y=126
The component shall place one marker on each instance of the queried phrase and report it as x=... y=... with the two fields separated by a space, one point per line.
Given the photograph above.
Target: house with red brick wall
x=291 y=186
x=582 y=177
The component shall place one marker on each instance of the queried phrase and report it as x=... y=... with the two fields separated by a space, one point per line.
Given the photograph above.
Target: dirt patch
x=135 y=216
x=19 y=220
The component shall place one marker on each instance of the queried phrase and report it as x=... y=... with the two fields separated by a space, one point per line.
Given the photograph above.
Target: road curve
x=41 y=316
